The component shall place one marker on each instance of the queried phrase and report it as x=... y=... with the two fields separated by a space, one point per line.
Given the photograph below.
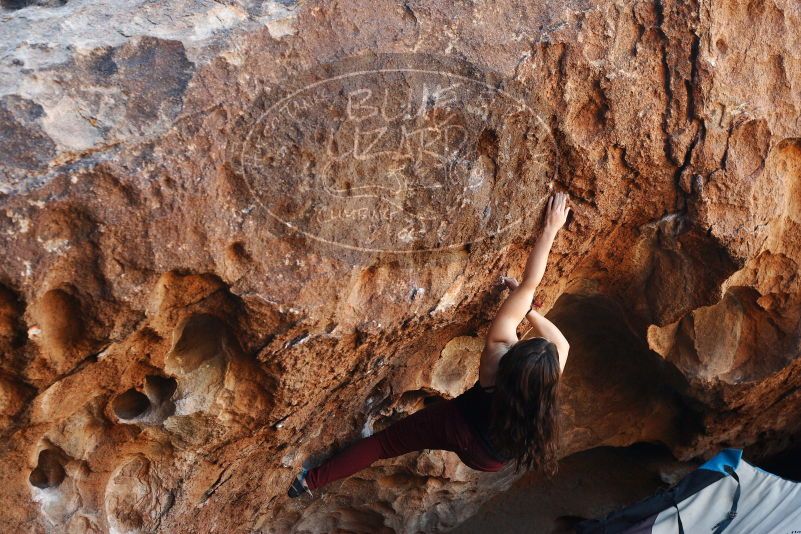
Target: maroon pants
x=439 y=426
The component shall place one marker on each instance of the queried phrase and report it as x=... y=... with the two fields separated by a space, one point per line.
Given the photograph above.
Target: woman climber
x=510 y=414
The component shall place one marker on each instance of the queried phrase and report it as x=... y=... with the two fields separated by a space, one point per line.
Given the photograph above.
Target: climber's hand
x=556 y=212
x=509 y=283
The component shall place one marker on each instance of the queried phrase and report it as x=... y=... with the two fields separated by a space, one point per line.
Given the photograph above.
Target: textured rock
x=240 y=235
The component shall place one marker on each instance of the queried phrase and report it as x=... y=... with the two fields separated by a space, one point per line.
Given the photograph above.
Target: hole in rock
x=160 y=388
x=59 y=316
x=10 y=310
x=49 y=472
x=199 y=338
x=488 y=144
x=237 y=252
x=417 y=399
x=130 y=404
x=607 y=363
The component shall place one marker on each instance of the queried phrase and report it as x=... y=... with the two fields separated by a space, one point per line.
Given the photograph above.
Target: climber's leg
x=438 y=426
x=434 y=427
x=351 y=460
x=441 y=426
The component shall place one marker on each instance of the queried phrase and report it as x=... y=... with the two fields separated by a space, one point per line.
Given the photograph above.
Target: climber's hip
x=438 y=426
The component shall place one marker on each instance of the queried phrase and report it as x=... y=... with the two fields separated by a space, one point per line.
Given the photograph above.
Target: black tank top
x=476 y=406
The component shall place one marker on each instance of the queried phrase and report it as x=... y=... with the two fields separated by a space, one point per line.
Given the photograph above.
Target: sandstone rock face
x=239 y=235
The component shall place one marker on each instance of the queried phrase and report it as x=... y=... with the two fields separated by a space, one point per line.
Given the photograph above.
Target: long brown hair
x=525 y=424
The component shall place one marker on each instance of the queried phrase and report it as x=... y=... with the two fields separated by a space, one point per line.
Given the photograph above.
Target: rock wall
x=238 y=235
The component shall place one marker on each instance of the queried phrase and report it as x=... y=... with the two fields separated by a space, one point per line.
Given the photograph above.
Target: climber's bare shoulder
x=490 y=356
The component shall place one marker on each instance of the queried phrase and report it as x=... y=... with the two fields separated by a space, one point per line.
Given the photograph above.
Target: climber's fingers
x=557 y=211
x=509 y=282
x=562 y=208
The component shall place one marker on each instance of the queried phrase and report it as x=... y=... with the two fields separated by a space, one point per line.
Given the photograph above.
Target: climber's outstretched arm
x=514 y=309
x=503 y=331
